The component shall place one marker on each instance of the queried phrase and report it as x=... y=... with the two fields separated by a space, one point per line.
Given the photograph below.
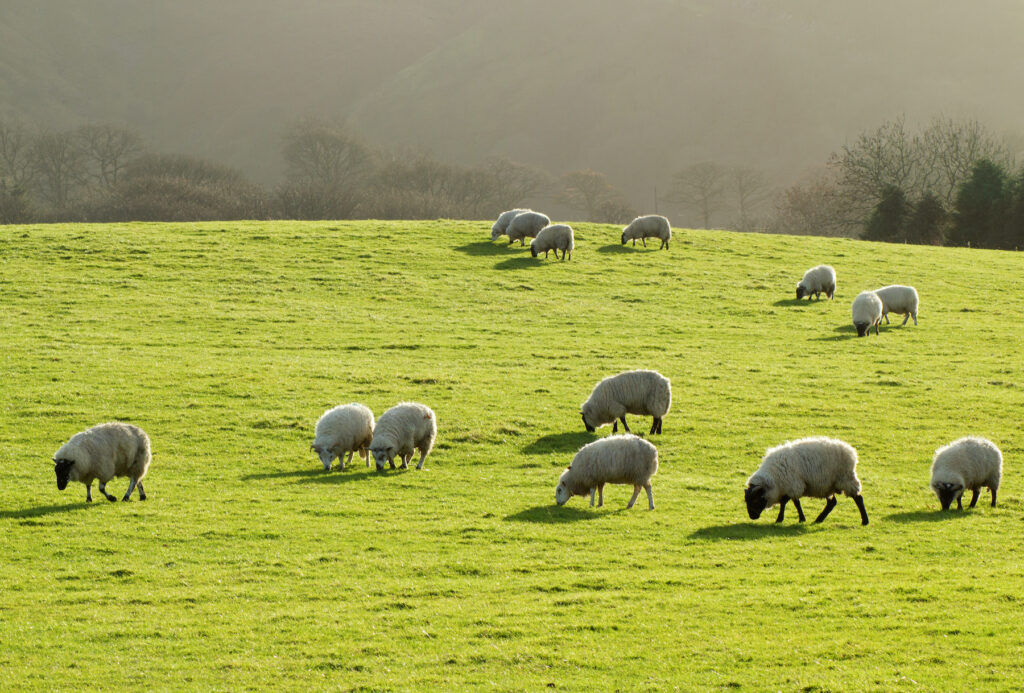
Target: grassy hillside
x=249 y=567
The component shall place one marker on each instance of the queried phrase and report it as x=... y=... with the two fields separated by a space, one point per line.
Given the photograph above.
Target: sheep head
x=801 y=292
x=382 y=456
x=948 y=491
x=63 y=470
x=586 y=424
x=756 y=496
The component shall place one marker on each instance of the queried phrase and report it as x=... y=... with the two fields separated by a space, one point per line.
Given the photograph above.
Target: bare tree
x=588 y=191
x=59 y=166
x=16 y=168
x=751 y=189
x=950 y=149
x=108 y=149
x=699 y=188
x=814 y=207
x=328 y=169
x=516 y=183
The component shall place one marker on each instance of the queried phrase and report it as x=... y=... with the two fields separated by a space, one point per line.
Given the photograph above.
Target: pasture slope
x=251 y=568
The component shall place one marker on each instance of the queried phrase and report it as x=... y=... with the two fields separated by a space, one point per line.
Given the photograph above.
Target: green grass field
x=249 y=567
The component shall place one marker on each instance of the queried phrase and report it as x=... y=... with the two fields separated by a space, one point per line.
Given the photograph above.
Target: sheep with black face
x=650 y=226
x=817 y=280
x=967 y=463
x=643 y=392
x=815 y=467
x=867 y=312
x=103 y=452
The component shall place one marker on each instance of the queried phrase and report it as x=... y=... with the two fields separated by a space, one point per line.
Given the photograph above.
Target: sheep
x=817 y=280
x=867 y=312
x=103 y=452
x=815 y=467
x=966 y=463
x=345 y=428
x=501 y=225
x=525 y=224
x=650 y=226
x=553 y=237
x=647 y=393
x=624 y=459
x=401 y=428
x=898 y=299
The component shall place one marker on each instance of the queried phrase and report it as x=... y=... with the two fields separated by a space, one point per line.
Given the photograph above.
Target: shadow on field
x=846 y=331
x=337 y=477
x=619 y=248
x=285 y=475
x=559 y=442
x=927 y=516
x=483 y=248
x=796 y=302
x=749 y=530
x=41 y=510
x=552 y=514
x=517 y=263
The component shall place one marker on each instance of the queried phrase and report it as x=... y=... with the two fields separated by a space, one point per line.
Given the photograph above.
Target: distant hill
x=636 y=90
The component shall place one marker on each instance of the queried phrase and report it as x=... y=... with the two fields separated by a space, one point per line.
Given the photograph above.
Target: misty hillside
x=636 y=90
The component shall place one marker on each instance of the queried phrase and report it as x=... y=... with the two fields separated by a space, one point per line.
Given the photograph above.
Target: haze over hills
x=636 y=90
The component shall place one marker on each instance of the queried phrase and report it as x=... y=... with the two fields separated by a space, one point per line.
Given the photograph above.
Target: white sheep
x=103 y=452
x=815 y=467
x=553 y=237
x=501 y=225
x=623 y=459
x=642 y=392
x=817 y=280
x=967 y=463
x=528 y=223
x=867 y=312
x=898 y=299
x=345 y=428
x=650 y=226
x=399 y=430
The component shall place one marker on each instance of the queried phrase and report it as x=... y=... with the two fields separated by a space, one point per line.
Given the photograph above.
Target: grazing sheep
x=623 y=459
x=103 y=452
x=554 y=237
x=650 y=226
x=399 y=430
x=966 y=463
x=345 y=428
x=525 y=224
x=898 y=299
x=501 y=225
x=816 y=467
x=867 y=312
x=817 y=280
x=647 y=393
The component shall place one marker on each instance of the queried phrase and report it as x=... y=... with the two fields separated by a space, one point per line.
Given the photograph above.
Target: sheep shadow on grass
x=517 y=263
x=482 y=249
x=559 y=442
x=284 y=475
x=552 y=514
x=619 y=248
x=797 y=302
x=41 y=510
x=748 y=530
x=936 y=515
x=343 y=477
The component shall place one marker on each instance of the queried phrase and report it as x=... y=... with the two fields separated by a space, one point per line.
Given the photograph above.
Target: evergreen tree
x=926 y=223
x=982 y=208
x=889 y=217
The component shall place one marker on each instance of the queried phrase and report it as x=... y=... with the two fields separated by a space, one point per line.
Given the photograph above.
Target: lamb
x=103 y=452
x=815 y=467
x=554 y=237
x=817 y=280
x=501 y=225
x=650 y=226
x=345 y=428
x=867 y=312
x=624 y=459
x=898 y=299
x=647 y=393
x=525 y=224
x=966 y=463
x=399 y=430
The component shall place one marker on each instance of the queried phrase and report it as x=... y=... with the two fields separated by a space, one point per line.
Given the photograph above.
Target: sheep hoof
x=112 y=499
x=142 y=496
x=125 y=499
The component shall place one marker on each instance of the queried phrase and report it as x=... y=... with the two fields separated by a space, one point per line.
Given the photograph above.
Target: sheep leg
x=656 y=425
x=600 y=495
x=405 y=460
x=634 y=242
x=859 y=500
x=643 y=240
x=636 y=494
x=623 y=417
x=103 y=490
x=975 y=492
x=993 y=496
x=423 y=456
x=650 y=496
x=142 y=492
x=905 y=318
x=830 y=503
x=959 y=505
x=886 y=316
x=391 y=461
x=799 y=510
x=782 y=509
x=664 y=244
x=915 y=319
x=592 y=492
x=615 y=426
x=660 y=423
x=88 y=492
x=128 y=493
